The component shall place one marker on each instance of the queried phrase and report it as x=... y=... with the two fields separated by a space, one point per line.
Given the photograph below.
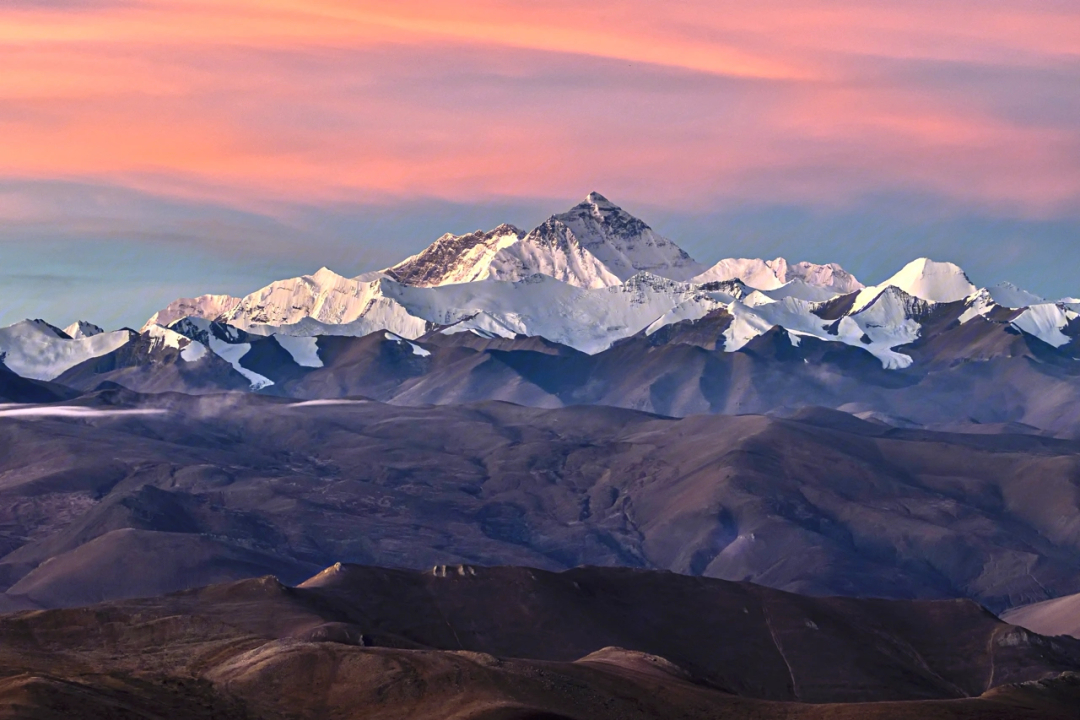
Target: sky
x=152 y=149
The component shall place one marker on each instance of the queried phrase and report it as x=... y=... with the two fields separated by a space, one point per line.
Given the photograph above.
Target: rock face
x=456 y=258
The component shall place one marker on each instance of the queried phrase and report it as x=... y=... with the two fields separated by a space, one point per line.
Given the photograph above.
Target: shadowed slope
x=512 y=643
x=847 y=507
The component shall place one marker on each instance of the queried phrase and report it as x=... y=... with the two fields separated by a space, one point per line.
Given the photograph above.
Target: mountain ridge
x=928 y=319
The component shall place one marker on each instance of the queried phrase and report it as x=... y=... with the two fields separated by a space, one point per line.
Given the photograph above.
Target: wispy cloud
x=691 y=103
x=71 y=412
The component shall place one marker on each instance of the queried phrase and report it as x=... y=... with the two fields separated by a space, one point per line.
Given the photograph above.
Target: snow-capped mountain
x=81 y=329
x=879 y=319
x=204 y=306
x=324 y=303
x=224 y=341
x=588 y=319
x=585 y=279
x=595 y=275
x=939 y=282
x=594 y=244
x=590 y=248
x=458 y=258
x=37 y=350
x=773 y=275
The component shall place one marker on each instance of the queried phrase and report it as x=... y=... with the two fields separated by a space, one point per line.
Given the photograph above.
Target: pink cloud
x=686 y=104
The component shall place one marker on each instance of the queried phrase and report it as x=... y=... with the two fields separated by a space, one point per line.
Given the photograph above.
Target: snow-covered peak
x=455 y=258
x=326 y=276
x=624 y=244
x=35 y=349
x=38 y=327
x=926 y=279
x=593 y=244
x=829 y=276
x=980 y=304
x=1008 y=295
x=773 y=274
x=598 y=200
x=893 y=305
x=753 y=272
x=756 y=299
x=733 y=289
x=646 y=281
x=82 y=329
x=163 y=337
x=323 y=295
x=210 y=307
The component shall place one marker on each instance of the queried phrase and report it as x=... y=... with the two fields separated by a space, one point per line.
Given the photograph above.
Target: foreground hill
x=477 y=643
x=120 y=494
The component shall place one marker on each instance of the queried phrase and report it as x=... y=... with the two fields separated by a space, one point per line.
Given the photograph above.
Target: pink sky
x=680 y=104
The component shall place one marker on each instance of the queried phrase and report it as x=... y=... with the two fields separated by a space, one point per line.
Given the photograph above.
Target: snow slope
x=456 y=258
x=774 y=274
x=887 y=322
x=1046 y=322
x=588 y=319
x=1009 y=296
x=304 y=350
x=82 y=329
x=210 y=307
x=37 y=350
x=224 y=341
x=939 y=282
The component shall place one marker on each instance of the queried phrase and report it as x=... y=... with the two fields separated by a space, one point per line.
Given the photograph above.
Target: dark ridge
x=836 y=308
x=14 y=388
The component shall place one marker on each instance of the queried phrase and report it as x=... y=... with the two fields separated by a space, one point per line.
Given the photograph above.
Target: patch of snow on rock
x=304 y=350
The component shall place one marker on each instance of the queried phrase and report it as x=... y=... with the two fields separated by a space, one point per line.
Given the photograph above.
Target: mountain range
x=549 y=475
x=594 y=307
